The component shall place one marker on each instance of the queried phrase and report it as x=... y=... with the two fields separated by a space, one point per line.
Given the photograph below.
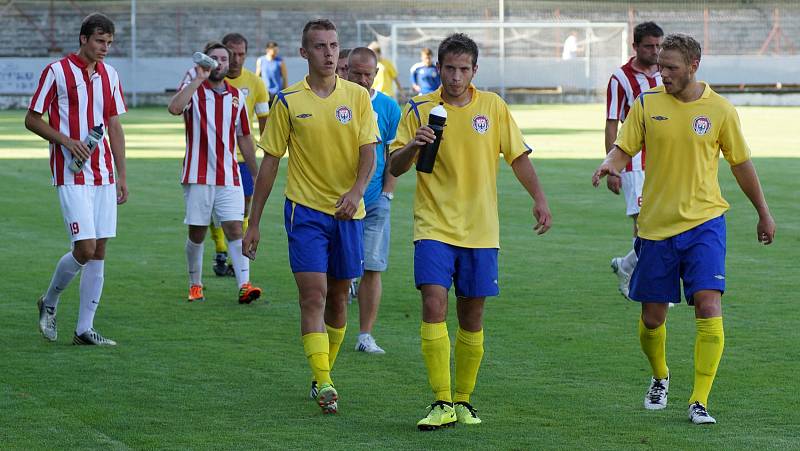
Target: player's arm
x=258 y=67
x=284 y=75
x=347 y=205
x=613 y=183
x=262 y=124
x=747 y=178
x=615 y=161
x=389 y=181
x=248 y=149
x=526 y=174
x=402 y=159
x=263 y=187
x=116 y=138
x=179 y=101
x=35 y=123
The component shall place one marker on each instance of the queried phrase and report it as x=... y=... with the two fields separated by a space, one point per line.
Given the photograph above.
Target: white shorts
x=226 y=203
x=89 y=211
x=632 y=183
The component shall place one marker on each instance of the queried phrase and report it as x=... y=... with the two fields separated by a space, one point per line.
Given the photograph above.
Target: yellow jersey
x=384 y=79
x=683 y=140
x=256 y=97
x=457 y=202
x=323 y=137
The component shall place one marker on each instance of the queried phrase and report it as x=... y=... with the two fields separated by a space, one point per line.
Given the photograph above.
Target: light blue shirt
x=388 y=115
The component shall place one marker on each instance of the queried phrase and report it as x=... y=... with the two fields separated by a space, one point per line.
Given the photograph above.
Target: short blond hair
x=684 y=44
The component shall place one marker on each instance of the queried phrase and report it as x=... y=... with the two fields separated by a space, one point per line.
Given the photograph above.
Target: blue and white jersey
x=426 y=77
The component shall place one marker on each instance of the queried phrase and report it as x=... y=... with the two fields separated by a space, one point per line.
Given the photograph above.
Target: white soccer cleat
x=366 y=343
x=624 y=277
x=699 y=415
x=656 y=397
x=92 y=338
x=47 y=320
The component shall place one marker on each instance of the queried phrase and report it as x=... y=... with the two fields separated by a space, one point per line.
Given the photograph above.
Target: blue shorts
x=377 y=229
x=474 y=271
x=696 y=256
x=320 y=243
x=247 y=179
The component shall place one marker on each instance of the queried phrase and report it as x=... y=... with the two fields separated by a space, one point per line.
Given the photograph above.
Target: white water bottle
x=204 y=61
x=94 y=137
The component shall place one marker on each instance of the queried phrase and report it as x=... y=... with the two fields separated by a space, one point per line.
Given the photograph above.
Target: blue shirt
x=388 y=114
x=271 y=73
x=426 y=77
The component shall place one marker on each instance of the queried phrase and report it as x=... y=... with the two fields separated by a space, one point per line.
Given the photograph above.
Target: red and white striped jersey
x=214 y=121
x=624 y=87
x=75 y=102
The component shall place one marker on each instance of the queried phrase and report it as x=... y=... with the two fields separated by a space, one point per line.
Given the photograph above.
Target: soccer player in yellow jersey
x=330 y=130
x=684 y=125
x=456 y=229
x=387 y=78
x=257 y=106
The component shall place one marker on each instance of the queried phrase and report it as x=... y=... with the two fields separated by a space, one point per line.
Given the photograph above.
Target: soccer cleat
x=656 y=397
x=327 y=398
x=624 y=276
x=47 y=320
x=466 y=414
x=441 y=414
x=699 y=415
x=366 y=343
x=353 y=291
x=229 y=271
x=93 y=338
x=196 y=293
x=314 y=391
x=221 y=264
x=248 y=293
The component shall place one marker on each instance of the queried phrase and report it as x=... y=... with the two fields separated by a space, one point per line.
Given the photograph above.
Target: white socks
x=194 y=258
x=66 y=270
x=629 y=262
x=90 y=290
x=241 y=264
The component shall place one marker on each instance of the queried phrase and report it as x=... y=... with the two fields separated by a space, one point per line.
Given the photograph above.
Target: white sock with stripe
x=66 y=270
x=241 y=264
x=91 y=289
x=194 y=259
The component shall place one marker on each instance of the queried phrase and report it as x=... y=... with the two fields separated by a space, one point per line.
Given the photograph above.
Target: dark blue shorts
x=696 y=257
x=320 y=243
x=474 y=271
x=247 y=179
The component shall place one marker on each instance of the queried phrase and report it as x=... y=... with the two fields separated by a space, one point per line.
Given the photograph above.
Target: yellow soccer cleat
x=441 y=414
x=466 y=414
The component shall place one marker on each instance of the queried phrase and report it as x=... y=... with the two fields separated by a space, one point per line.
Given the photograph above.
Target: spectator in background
x=424 y=75
x=570 y=46
x=341 y=65
x=387 y=74
x=272 y=69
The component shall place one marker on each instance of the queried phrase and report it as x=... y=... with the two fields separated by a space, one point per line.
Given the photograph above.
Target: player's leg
x=229 y=208
x=632 y=184
x=336 y=315
x=376 y=255
x=199 y=201
x=220 y=248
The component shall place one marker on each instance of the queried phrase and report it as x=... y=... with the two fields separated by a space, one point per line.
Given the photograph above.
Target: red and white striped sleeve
x=117 y=99
x=45 y=92
x=243 y=121
x=615 y=99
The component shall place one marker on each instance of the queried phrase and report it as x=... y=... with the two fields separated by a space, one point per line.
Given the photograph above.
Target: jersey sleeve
x=631 y=134
x=394 y=119
x=243 y=119
x=117 y=98
x=45 y=93
x=615 y=98
x=413 y=75
x=512 y=144
x=276 y=135
x=368 y=132
x=731 y=139
x=262 y=99
x=406 y=128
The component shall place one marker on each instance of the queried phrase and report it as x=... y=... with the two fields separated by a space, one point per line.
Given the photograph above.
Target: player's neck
x=322 y=85
x=638 y=65
x=463 y=99
x=693 y=91
x=90 y=65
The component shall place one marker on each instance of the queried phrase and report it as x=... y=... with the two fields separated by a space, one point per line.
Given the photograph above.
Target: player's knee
x=84 y=250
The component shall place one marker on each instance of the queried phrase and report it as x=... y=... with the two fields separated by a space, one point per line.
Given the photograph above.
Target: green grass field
x=562 y=368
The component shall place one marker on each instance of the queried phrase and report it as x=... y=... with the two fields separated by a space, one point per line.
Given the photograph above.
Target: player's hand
x=614 y=184
x=79 y=149
x=250 y=242
x=544 y=219
x=347 y=206
x=602 y=171
x=122 y=192
x=766 y=229
x=202 y=72
x=424 y=136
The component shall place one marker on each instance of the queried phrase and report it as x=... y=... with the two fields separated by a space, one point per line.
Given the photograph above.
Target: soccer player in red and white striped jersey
x=77 y=93
x=216 y=119
x=639 y=74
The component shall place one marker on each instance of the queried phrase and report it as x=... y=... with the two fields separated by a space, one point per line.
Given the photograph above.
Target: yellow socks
x=654 y=346
x=245 y=223
x=436 y=352
x=335 y=339
x=316 y=347
x=219 y=239
x=708 y=344
x=469 y=352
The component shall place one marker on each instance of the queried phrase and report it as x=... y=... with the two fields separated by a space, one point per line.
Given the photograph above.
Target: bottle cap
x=439 y=110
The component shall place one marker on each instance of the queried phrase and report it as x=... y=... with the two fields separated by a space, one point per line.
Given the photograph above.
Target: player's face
x=426 y=59
x=456 y=72
x=218 y=74
x=342 y=68
x=647 y=50
x=238 y=54
x=362 y=71
x=273 y=52
x=96 y=47
x=676 y=73
x=321 y=51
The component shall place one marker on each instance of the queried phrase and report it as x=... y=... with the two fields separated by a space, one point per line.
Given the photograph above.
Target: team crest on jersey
x=235 y=102
x=245 y=91
x=480 y=123
x=701 y=125
x=344 y=114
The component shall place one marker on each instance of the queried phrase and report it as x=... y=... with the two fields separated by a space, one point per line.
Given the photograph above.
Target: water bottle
x=94 y=137
x=427 y=156
x=204 y=61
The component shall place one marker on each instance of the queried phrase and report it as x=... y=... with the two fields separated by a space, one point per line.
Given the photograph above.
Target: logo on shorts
x=719 y=277
x=344 y=114
x=701 y=125
x=480 y=123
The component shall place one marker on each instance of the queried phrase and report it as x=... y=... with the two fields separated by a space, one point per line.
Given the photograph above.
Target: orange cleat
x=248 y=293
x=196 y=293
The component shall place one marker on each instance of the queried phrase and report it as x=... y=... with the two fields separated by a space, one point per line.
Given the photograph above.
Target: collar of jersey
x=307 y=86
x=436 y=96
x=630 y=64
x=227 y=90
x=99 y=68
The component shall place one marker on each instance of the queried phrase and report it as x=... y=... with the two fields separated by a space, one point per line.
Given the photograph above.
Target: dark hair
x=363 y=51
x=272 y=44
x=685 y=44
x=234 y=38
x=318 y=24
x=213 y=45
x=458 y=44
x=645 y=29
x=96 y=22
x=344 y=53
